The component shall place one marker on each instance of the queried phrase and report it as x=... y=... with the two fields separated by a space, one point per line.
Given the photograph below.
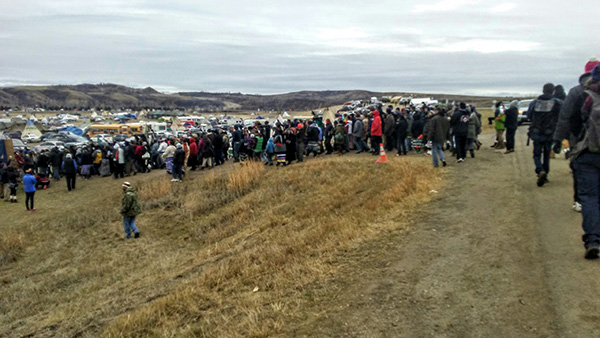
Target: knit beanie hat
x=463 y=105
x=589 y=67
x=514 y=103
x=596 y=73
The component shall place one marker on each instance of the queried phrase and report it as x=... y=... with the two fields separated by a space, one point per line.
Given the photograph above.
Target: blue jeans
x=587 y=171
x=129 y=225
x=437 y=149
x=541 y=156
x=56 y=173
x=360 y=144
x=236 y=150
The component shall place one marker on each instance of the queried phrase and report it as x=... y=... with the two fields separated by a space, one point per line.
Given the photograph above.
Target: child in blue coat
x=29 y=182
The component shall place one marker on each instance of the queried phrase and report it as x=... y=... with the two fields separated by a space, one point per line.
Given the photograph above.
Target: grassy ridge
x=230 y=253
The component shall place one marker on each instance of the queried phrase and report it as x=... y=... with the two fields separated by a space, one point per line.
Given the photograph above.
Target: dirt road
x=492 y=256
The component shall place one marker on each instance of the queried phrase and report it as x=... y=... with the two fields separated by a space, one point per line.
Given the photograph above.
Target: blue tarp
x=73 y=130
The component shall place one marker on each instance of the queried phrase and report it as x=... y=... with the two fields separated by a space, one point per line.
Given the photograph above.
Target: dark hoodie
x=570 y=122
x=460 y=122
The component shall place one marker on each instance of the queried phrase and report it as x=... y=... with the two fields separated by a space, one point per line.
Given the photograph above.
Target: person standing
x=55 y=161
x=29 y=182
x=329 y=132
x=474 y=126
x=389 y=130
x=358 y=130
x=69 y=168
x=460 y=129
x=511 y=123
x=572 y=125
x=130 y=208
x=119 y=161
x=178 y=161
x=438 y=134
x=543 y=113
x=376 y=133
x=401 y=127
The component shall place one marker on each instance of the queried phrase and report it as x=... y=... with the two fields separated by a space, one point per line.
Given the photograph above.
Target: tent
x=30 y=128
x=73 y=130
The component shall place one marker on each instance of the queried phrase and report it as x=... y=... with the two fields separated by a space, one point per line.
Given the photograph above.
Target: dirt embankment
x=492 y=256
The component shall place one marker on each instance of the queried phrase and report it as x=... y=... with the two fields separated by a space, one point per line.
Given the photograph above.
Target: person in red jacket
x=376 y=133
x=193 y=153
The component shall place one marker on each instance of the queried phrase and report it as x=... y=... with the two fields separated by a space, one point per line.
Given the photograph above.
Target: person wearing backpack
x=574 y=126
x=543 y=113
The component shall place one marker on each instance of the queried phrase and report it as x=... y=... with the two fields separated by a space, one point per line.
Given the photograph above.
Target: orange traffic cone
x=382 y=155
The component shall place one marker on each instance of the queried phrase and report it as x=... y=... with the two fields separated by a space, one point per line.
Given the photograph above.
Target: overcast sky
x=485 y=47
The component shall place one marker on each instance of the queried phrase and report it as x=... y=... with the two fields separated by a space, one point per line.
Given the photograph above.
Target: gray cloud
x=469 y=46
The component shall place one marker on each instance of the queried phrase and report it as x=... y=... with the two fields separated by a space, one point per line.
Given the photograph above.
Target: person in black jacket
x=178 y=161
x=56 y=161
x=460 y=129
x=511 y=124
x=543 y=113
x=328 y=136
x=401 y=129
x=218 y=147
x=69 y=168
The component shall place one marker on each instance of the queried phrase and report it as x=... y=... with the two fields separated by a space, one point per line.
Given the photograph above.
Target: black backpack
x=544 y=117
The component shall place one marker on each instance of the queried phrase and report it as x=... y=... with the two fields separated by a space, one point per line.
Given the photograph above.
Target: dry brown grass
x=207 y=245
x=11 y=247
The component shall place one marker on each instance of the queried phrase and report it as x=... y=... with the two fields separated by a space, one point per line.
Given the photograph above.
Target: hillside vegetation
x=112 y=96
x=232 y=252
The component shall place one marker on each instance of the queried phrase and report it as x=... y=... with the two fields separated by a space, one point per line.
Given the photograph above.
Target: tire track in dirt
x=492 y=256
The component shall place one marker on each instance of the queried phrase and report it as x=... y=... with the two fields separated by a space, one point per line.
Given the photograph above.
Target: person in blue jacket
x=29 y=181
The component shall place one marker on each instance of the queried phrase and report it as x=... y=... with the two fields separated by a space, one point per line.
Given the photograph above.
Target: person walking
x=543 y=113
x=130 y=208
x=574 y=124
x=511 y=123
x=69 y=168
x=29 y=186
x=438 y=134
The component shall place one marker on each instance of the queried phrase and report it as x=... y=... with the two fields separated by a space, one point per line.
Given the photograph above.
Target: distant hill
x=113 y=96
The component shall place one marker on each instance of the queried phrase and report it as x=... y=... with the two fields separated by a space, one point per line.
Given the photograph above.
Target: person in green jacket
x=258 y=146
x=500 y=119
x=130 y=208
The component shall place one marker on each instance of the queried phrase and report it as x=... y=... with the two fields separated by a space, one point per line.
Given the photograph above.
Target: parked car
x=102 y=139
x=30 y=138
x=523 y=107
x=48 y=145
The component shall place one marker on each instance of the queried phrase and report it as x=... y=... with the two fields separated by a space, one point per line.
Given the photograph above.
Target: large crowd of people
x=431 y=130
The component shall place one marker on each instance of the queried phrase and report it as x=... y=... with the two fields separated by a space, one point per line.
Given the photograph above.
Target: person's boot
x=472 y=153
x=542 y=178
